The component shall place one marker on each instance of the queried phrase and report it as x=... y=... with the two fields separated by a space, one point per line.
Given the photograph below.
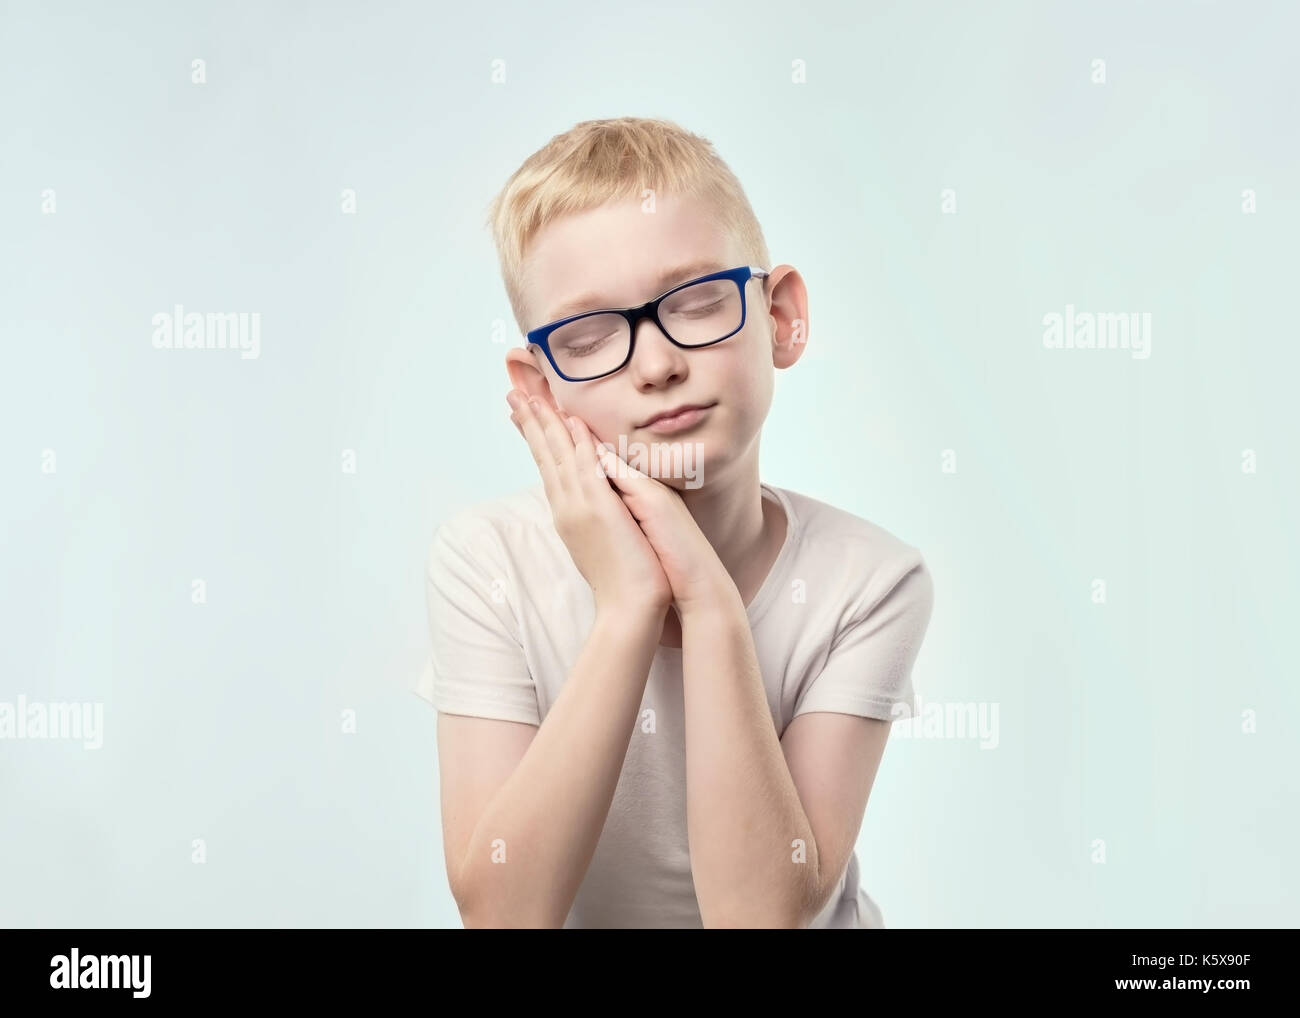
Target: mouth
x=678 y=418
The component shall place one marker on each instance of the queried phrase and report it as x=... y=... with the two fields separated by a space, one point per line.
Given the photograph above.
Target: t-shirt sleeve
x=868 y=671
x=476 y=665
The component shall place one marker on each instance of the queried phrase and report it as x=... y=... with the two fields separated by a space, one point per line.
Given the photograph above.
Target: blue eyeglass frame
x=650 y=309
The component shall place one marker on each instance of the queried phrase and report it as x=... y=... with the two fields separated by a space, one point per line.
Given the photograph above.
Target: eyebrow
x=666 y=281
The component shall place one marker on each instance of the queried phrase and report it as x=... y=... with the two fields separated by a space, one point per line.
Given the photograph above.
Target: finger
x=555 y=442
x=607 y=461
x=590 y=471
x=539 y=446
x=513 y=398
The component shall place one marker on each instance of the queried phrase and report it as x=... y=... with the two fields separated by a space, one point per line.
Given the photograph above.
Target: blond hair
x=596 y=161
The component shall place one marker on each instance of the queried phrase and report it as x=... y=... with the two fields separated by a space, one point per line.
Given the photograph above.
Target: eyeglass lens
x=695 y=315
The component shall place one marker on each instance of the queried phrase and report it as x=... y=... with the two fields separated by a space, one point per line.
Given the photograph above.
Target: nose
x=656 y=360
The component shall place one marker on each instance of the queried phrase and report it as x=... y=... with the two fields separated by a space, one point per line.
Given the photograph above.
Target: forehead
x=616 y=255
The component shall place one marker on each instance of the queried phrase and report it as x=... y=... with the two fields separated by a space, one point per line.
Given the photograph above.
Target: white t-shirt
x=837 y=625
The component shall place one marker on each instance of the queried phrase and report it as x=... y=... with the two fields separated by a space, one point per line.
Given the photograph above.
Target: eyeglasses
x=697 y=313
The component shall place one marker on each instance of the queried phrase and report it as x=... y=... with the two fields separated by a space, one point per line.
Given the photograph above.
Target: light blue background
x=1120 y=721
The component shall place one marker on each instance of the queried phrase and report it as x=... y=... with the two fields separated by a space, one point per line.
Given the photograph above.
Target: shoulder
x=494 y=526
x=864 y=559
x=521 y=508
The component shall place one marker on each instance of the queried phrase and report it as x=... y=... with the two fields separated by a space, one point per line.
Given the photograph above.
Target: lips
x=672 y=412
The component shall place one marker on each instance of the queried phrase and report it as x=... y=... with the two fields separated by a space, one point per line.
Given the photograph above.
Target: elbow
x=471 y=914
x=748 y=919
x=502 y=909
x=799 y=915
x=471 y=920
x=500 y=917
x=787 y=913
x=476 y=914
x=460 y=892
x=814 y=897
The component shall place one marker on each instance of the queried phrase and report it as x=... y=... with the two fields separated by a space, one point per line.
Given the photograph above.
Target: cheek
x=752 y=402
x=747 y=378
x=598 y=412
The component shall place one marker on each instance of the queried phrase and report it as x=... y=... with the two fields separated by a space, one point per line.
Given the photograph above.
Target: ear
x=788 y=310
x=527 y=374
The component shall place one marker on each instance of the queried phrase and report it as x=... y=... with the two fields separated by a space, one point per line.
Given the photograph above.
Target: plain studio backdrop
x=225 y=553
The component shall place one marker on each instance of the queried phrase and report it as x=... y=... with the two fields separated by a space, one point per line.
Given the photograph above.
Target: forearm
x=744 y=815
x=547 y=817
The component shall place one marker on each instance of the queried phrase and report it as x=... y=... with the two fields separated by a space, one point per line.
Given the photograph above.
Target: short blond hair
x=596 y=161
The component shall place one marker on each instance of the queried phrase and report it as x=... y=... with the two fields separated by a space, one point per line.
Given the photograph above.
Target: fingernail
x=512 y=397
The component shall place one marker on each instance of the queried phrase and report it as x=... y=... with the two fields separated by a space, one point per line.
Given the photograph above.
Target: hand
x=607 y=546
x=696 y=574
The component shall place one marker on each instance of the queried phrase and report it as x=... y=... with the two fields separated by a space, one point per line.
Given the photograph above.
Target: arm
x=547 y=815
x=742 y=807
x=756 y=859
x=751 y=796
x=520 y=858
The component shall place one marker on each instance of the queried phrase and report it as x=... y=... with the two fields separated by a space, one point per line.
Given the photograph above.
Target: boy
x=662 y=699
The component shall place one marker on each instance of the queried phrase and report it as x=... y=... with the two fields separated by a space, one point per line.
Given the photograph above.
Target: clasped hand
x=630 y=535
